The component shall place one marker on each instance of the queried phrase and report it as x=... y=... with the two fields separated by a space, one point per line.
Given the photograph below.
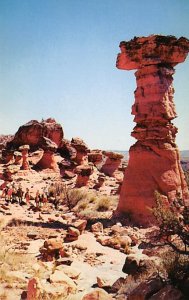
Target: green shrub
x=176 y=268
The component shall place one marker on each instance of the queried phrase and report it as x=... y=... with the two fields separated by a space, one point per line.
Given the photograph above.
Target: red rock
x=48 y=160
x=82 y=150
x=33 y=132
x=7 y=156
x=168 y=292
x=4 y=139
x=34 y=289
x=73 y=231
x=154 y=162
x=25 y=164
x=68 y=175
x=97 y=227
x=53 y=244
x=146 y=289
x=97 y=294
x=67 y=150
x=112 y=163
x=95 y=156
x=18 y=158
x=80 y=225
x=83 y=171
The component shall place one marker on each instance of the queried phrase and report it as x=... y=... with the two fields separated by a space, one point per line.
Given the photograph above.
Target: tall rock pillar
x=154 y=162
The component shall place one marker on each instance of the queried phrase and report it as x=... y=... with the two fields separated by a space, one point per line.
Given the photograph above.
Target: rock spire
x=154 y=162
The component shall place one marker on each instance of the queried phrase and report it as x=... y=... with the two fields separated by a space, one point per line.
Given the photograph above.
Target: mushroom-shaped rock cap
x=154 y=49
x=113 y=155
x=17 y=153
x=24 y=147
x=84 y=170
x=48 y=145
x=79 y=144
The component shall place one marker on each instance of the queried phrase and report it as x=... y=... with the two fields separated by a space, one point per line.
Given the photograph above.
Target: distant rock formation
x=154 y=161
x=4 y=139
x=33 y=132
x=41 y=147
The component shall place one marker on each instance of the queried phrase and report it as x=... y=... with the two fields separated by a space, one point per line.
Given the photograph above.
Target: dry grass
x=4 y=295
x=104 y=203
x=93 y=204
x=10 y=261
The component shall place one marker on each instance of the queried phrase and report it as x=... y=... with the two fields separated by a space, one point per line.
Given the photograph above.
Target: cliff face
x=154 y=162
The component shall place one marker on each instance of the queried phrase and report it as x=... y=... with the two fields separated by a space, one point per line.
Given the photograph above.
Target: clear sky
x=57 y=59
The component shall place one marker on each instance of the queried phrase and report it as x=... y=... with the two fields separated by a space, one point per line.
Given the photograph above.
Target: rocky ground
x=54 y=254
x=74 y=246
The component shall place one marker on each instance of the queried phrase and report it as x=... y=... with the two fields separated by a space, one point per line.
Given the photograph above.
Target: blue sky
x=57 y=59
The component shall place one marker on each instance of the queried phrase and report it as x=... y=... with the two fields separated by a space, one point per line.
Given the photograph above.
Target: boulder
x=80 y=225
x=97 y=227
x=135 y=265
x=34 y=289
x=166 y=293
x=52 y=248
x=37 y=288
x=72 y=235
x=60 y=277
x=97 y=294
x=146 y=289
x=70 y=271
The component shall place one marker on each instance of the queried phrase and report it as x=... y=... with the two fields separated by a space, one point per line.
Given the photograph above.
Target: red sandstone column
x=154 y=162
x=25 y=164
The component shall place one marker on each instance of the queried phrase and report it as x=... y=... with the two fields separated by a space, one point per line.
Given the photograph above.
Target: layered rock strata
x=154 y=161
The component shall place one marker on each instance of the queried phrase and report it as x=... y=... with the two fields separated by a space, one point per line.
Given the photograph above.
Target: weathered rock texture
x=24 y=149
x=40 y=147
x=48 y=160
x=33 y=132
x=154 y=162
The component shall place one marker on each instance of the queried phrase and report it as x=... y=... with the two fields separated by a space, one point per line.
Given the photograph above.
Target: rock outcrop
x=48 y=160
x=82 y=150
x=40 y=146
x=154 y=161
x=33 y=132
x=112 y=163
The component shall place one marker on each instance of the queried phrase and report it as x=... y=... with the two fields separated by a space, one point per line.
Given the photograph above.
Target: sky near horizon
x=57 y=59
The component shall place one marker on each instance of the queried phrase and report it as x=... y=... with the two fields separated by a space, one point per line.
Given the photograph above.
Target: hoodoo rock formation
x=33 y=132
x=48 y=160
x=39 y=149
x=154 y=161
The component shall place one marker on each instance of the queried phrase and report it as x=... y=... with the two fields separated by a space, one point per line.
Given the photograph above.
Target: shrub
x=74 y=196
x=176 y=268
x=172 y=226
x=103 y=204
x=82 y=206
